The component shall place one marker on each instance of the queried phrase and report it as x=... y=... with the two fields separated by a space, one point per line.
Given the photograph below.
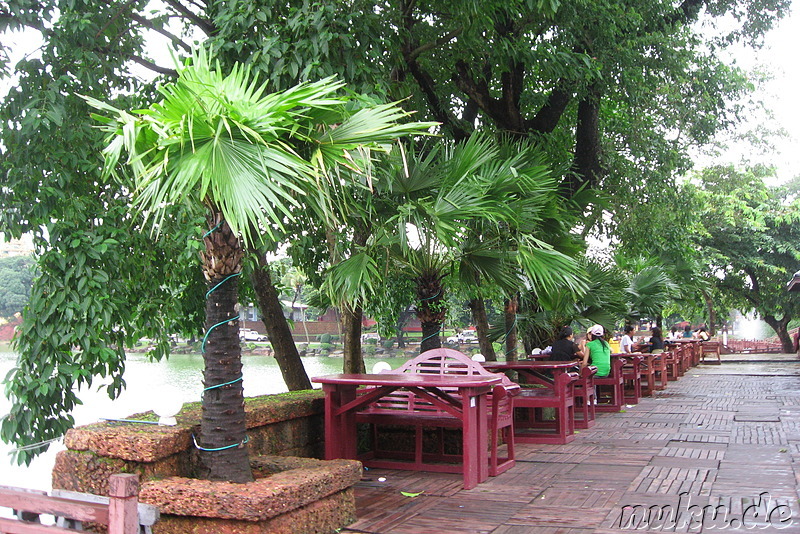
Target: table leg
x=340 y=430
x=474 y=440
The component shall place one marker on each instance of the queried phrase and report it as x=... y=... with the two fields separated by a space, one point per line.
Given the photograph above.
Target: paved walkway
x=718 y=450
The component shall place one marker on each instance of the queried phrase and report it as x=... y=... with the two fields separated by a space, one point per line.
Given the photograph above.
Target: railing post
x=123 y=503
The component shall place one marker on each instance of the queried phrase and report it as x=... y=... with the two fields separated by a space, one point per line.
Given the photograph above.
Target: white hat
x=596 y=330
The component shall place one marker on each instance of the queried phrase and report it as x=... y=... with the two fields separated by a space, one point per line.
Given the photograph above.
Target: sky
x=778 y=57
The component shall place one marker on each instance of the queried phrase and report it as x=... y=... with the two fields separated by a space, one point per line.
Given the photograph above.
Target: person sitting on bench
x=598 y=351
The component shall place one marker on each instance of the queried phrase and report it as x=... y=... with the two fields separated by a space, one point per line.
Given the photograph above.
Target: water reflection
x=144 y=379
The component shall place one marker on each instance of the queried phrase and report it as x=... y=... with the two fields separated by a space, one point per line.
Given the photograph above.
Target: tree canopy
x=750 y=241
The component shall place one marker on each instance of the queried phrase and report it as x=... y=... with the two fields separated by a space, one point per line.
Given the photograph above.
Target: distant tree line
x=16 y=279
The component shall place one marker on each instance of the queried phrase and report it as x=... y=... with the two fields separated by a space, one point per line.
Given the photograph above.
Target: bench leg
x=585 y=401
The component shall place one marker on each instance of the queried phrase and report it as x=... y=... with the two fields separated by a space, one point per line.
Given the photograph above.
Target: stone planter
x=293 y=492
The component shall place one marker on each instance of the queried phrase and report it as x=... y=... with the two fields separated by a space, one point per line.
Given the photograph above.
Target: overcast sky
x=779 y=57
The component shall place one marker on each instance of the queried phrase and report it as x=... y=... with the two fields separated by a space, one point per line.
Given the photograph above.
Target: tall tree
x=440 y=199
x=751 y=242
x=247 y=157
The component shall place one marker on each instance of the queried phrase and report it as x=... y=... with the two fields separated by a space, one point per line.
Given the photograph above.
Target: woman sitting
x=702 y=334
x=598 y=351
x=656 y=341
x=564 y=348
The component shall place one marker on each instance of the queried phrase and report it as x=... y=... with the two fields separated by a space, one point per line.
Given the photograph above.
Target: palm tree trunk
x=510 y=309
x=280 y=335
x=431 y=310
x=479 y=317
x=351 y=325
x=223 y=454
x=350 y=320
x=296 y=296
x=430 y=336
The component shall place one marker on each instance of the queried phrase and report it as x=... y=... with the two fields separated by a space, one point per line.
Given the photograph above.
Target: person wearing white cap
x=598 y=351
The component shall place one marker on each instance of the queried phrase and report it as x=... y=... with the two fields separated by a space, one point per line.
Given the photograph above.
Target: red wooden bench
x=405 y=408
x=533 y=428
x=583 y=391
x=653 y=373
x=611 y=389
x=632 y=378
x=710 y=347
x=672 y=364
x=121 y=512
x=684 y=353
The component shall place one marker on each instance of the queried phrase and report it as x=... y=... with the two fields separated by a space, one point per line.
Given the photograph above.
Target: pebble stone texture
x=717 y=451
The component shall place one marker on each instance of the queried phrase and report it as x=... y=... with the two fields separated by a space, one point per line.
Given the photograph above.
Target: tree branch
x=756 y=288
x=548 y=116
x=440 y=112
x=125 y=7
x=470 y=111
x=437 y=43
x=152 y=66
x=478 y=92
x=207 y=27
x=147 y=23
x=425 y=81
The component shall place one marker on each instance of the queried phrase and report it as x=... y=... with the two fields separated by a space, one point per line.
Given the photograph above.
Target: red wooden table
x=694 y=349
x=531 y=426
x=540 y=356
x=536 y=372
x=342 y=403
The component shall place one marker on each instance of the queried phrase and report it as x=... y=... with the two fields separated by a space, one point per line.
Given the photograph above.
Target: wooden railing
x=120 y=513
x=753 y=346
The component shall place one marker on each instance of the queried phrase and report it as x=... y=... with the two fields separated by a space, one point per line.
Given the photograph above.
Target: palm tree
x=450 y=211
x=650 y=287
x=248 y=158
x=602 y=301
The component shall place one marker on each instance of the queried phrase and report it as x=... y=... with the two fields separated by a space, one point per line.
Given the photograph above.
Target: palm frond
x=353 y=280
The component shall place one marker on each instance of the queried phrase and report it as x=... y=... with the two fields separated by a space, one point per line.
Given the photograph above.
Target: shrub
x=324 y=338
x=371 y=341
x=387 y=343
x=326 y=346
x=370 y=349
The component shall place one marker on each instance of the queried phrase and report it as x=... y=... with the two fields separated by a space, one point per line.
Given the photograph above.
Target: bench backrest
x=443 y=362
x=451 y=362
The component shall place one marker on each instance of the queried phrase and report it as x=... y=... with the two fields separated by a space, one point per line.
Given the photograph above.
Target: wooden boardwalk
x=718 y=450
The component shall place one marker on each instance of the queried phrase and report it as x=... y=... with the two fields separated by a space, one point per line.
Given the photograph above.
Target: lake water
x=181 y=373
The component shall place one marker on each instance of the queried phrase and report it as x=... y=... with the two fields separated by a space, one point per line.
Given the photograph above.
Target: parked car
x=467 y=336
x=252 y=335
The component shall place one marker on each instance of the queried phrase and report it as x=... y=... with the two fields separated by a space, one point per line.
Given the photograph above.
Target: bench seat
x=407 y=409
x=531 y=427
x=611 y=388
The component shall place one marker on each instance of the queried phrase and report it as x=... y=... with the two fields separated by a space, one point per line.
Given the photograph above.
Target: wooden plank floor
x=718 y=450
